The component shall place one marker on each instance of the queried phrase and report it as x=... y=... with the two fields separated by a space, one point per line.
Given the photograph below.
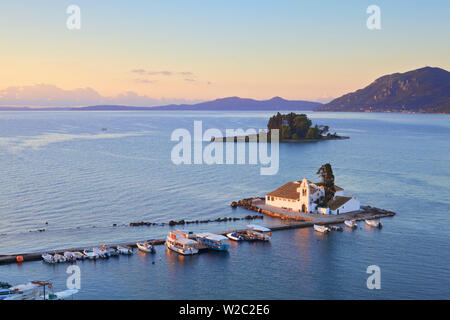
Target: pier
x=299 y=220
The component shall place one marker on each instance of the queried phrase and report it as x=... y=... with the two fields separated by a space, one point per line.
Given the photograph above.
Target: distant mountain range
x=224 y=104
x=422 y=90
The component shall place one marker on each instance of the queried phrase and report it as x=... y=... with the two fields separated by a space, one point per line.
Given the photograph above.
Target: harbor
x=256 y=204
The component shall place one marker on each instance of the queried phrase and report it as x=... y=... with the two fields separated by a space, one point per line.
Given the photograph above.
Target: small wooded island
x=292 y=127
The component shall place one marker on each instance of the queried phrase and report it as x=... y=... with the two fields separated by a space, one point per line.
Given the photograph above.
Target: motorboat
x=90 y=254
x=27 y=291
x=101 y=253
x=234 y=236
x=48 y=258
x=182 y=242
x=124 y=250
x=59 y=258
x=373 y=223
x=111 y=251
x=61 y=295
x=69 y=256
x=145 y=246
x=350 y=223
x=322 y=229
x=255 y=232
x=79 y=256
x=213 y=241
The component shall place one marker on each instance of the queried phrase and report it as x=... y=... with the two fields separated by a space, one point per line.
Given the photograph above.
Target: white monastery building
x=301 y=196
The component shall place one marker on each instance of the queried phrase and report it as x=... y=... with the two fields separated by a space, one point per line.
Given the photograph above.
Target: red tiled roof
x=337 y=202
x=287 y=191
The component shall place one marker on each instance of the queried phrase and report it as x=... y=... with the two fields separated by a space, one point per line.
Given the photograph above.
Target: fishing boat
x=182 y=242
x=350 y=223
x=213 y=241
x=90 y=254
x=255 y=232
x=59 y=258
x=234 y=236
x=79 y=255
x=145 y=246
x=373 y=223
x=48 y=258
x=124 y=250
x=69 y=256
x=322 y=229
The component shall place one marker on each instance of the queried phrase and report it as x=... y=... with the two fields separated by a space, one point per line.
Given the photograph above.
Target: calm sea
x=75 y=174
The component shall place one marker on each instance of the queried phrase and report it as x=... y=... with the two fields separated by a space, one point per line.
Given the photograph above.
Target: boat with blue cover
x=213 y=241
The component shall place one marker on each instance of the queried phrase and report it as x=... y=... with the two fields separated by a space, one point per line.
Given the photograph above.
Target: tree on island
x=295 y=126
x=326 y=173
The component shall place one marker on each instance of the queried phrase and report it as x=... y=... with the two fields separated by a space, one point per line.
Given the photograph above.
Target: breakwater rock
x=183 y=222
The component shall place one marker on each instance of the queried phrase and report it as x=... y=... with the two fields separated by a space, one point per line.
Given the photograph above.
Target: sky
x=157 y=52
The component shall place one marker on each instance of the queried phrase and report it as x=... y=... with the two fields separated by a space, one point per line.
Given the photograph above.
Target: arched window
x=303 y=208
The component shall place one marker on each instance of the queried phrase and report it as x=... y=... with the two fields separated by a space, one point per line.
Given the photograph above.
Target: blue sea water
x=61 y=172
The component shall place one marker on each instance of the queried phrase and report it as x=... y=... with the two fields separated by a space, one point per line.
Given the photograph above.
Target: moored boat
x=322 y=229
x=124 y=250
x=59 y=258
x=234 y=236
x=350 y=223
x=373 y=223
x=48 y=258
x=213 y=241
x=145 y=247
x=79 y=255
x=90 y=254
x=255 y=232
x=111 y=251
x=335 y=228
x=182 y=242
x=100 y=252
x=69 y=256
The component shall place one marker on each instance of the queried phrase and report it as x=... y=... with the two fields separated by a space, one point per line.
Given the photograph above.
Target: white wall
x=294 y=205
x=352 y=205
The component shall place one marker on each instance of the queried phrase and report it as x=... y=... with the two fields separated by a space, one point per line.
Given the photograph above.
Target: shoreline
x=246 y=139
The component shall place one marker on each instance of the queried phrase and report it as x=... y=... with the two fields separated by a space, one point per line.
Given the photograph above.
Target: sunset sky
x=154 y=52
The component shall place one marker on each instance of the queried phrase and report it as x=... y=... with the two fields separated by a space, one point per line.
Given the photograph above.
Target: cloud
x=162 y=72
x=144 y=81
x=46 y=95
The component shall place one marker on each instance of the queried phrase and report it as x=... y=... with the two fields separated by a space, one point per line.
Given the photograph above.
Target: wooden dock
x=298 y=221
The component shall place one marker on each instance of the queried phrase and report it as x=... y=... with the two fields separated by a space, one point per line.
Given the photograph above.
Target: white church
x=301 y=196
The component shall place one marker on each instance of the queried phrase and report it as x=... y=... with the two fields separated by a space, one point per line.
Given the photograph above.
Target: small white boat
x=69 y=256
x=373 y=223
x=48 y=258
x=111 y=251
x=59 y=258
x=145 y=246
x=322 y=229
x=61 y=295
x=79 y=255
x=101 y=253
x=350 y=223
x=234 y=236
x=90 y=254
x=124 y=250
